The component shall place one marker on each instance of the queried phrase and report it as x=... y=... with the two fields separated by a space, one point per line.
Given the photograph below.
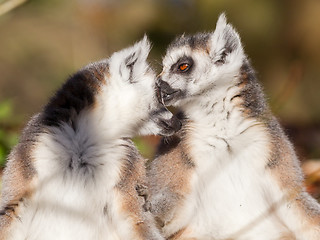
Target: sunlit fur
x=231 y=172
x=75 y=172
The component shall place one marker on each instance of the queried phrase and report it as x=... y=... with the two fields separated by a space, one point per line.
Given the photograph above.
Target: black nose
x=176 y=123
x=171 y=124
x=164 y=91
x=164 y=86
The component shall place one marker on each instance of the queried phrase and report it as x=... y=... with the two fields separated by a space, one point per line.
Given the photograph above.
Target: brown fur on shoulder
x=173 y=169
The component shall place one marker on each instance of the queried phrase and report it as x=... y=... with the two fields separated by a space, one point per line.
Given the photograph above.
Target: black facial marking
x=166 y=92
x=183 y=60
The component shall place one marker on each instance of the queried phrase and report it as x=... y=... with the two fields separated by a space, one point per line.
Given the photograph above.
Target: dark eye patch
x=175 y=68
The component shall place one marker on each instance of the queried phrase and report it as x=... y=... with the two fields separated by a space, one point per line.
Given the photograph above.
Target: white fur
x=76 y=199
x=226 y=203
x=84 y=203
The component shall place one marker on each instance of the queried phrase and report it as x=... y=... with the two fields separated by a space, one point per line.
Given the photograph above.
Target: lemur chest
x=230 y=183
x=224 y=180
x=73 y=200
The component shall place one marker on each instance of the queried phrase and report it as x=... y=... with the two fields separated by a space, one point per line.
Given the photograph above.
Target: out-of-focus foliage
x=8 y=135
x=43 y=42
x=146 y=145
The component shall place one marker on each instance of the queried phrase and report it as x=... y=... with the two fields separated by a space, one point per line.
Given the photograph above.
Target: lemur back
x=75 y=174
x=231 y=172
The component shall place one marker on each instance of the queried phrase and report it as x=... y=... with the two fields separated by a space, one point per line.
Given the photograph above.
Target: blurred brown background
x=43 y=42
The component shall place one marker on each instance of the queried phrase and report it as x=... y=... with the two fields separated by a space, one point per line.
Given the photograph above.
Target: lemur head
x=194 y=65
x=129 y=97
x=116 y=95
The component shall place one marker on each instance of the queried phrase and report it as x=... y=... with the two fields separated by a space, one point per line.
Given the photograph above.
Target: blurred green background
x=43 y=42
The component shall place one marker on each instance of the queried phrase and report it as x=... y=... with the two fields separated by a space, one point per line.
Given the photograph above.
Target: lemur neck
x=214 y=107
x=228 y=106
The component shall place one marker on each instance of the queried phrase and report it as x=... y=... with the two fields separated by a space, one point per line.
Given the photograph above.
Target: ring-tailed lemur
x=231 y=172
x=75 y=172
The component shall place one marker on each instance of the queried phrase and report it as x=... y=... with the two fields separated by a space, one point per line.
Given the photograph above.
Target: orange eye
x=184 y=67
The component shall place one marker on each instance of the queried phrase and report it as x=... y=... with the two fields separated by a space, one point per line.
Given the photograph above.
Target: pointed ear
x=132 y=61
x=224 y=41
x=138 y=52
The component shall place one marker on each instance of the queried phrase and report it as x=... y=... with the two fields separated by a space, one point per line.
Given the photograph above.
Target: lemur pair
x=229 y=173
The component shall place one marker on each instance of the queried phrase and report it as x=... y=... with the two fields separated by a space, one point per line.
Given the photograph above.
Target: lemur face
x=132 y=94
x=195 y=64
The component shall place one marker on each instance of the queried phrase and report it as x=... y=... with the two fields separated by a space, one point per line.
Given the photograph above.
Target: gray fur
x=196 y=41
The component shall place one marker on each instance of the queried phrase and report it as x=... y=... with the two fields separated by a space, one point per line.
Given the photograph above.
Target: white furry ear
x=132 y=62
x=139 y=52
x=224 y=41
